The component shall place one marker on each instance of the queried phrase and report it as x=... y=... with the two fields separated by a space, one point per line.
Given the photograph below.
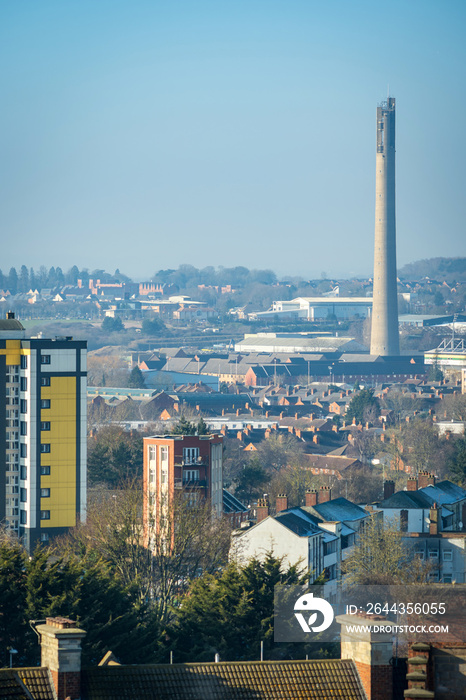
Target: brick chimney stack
x=311 y=497
x=262 y=510
x=412 y=484
x=371 y=653
x=281 y=502
x=425 y=479
x=325 y=494
x=60 y=641
x=388 y=489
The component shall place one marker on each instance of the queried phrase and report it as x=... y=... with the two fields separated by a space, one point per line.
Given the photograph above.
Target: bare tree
x=159 y=558
x=381 y=556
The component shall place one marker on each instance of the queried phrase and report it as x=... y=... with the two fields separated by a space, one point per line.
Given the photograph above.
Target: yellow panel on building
x=62 y=456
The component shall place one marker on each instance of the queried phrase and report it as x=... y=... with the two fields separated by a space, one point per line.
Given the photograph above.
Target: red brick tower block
x=371 y=653
x=61 y=653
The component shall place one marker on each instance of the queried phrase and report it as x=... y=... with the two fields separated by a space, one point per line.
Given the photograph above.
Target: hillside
x=448 y=269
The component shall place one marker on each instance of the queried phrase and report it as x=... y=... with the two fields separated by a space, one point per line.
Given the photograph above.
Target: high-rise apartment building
x=384 y=334
x=42 y=433
x=188 y=465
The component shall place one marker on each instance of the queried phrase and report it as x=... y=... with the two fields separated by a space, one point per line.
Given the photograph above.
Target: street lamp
x=12 y=652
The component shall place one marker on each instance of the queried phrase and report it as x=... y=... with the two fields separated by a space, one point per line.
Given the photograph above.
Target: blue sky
x=146 y=134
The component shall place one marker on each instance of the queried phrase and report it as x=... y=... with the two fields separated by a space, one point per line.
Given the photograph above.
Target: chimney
x=388 y=489
x=281 y=502
x=266 y=414
x=262 y=509
x=290 y=429
x=298 y=432
x=412 y=484
x=315 y=439
x=419 y=674
x=239 y=435
x=325 y=494
x=370 y=652
x=60 y=641
x=311 y=497
x=335 y=428
x=426 y=479
x=433 y=525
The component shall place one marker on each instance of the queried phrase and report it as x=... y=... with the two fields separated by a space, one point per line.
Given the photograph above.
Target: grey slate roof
x=339 y=509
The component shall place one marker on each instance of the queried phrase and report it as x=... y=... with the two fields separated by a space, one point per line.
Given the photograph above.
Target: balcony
x=191 y=483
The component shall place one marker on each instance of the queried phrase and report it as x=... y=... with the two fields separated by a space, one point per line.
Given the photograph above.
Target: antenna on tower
x=388 y=90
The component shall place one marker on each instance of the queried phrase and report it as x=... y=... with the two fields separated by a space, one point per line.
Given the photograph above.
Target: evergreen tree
x=202 y=428
x=13 y=623
x=457 y=462
x=32 y=279
x=136 y=378
x=230 y=613
x=112 y=325
x=13 y=280
x=363 y=406
x=23 y=282
x=72 y=275
x=183 y=427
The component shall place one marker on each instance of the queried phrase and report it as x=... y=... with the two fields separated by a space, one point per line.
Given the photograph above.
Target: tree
x=381 y=556
x=13 y=280
x=457 y=463
x=363 y=407
x=280 y=451
x=152 y=326
x=42 y=586
x=114 y=456
x=230 y=612
x=158 y=559
x=112 y=325
x=23 y=282
x=136 y=378
x=252 y=480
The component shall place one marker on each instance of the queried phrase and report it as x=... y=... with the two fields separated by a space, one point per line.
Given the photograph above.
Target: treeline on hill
x=49 y=278
x=440 y=269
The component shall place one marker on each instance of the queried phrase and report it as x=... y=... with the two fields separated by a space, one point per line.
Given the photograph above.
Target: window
x=404 y=520
x=45 y=515
x=45 y=381
x=433 y=553
x=24 y=473
x=23 y=495
x=23 y=428
x=23 y=450
x=45 y=403
x=190 y=455
x=419 y=553
x=191 y=475
x=45 y=425
x=44 y=537
x=45 y=359
x=24 y=361
x=23 y=406
x=447 y=578
x=45 y=470
x=23 y=517
x=45 y=493
x=23 y=385
x=45 y=447
x=448 y=555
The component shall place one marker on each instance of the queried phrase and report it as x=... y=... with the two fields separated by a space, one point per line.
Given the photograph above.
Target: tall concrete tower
x=384 y=334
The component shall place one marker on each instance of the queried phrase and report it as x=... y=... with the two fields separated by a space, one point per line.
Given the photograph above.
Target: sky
x=145 y=134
